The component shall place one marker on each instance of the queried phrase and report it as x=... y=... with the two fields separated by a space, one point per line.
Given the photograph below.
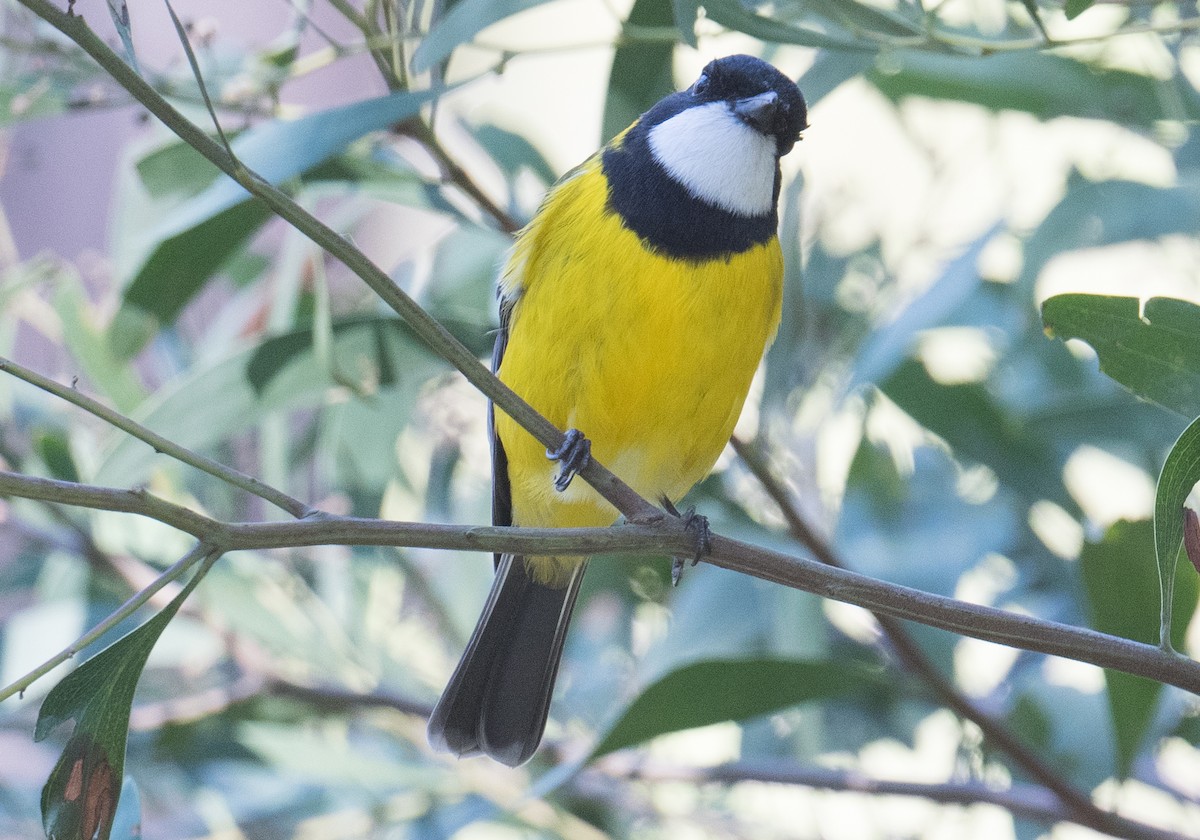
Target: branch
x=1030 y=801
x=159 y=443
x=669 y=535
x=437 y=337
x=201 y=552
x=910 y=655
x=979 y=622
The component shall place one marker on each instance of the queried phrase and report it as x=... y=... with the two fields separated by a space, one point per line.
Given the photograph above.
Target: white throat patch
x=718 y=158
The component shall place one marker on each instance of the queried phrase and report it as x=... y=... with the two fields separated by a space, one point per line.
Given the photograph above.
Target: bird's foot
x=697 y=523
x=573 y=455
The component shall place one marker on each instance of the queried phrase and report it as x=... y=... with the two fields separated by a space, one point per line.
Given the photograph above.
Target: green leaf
x=710 y=692
x=1041 y=84
x=685 y=13
x=119 y=12
x=1154 y=350
x=91 y=348
x=462 y=23
x=177 y=170
x=513 y=153
x=183 y=250
x=79 y=800
x=1074 y=8
x=367 y=353
x=856 y=16
x=733 y=15
x=1122 y=591
x=54 y=449
x=641 y=70
x=1179 y=475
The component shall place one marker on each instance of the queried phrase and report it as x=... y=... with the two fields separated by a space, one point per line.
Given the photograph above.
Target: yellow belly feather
x=650 y=357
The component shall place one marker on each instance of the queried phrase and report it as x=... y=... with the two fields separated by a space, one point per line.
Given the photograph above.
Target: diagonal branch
x=910 y=655
x=436 y=337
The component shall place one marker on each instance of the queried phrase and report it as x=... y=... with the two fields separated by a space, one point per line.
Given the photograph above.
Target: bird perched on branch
x=636 y=307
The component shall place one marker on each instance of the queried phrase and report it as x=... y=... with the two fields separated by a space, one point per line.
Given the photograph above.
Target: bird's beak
x=758 y=111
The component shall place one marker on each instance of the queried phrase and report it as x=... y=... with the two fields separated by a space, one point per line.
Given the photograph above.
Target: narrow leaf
x=119 y=11
x=462 y=23
x=186 y=247
x=641 y=70
x=710 y=692
x=733 y=15
x=80 y=799
x=1041 y=84
x=1120 y=583
x=1179 y=475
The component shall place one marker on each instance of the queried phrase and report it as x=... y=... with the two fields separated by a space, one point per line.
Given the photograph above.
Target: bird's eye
x=701 y=86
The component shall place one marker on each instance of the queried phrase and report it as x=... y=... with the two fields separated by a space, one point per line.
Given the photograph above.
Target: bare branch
x=668 y=536
x=1030 y=801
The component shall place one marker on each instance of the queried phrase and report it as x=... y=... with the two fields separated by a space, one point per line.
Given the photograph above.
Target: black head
x=759 y=94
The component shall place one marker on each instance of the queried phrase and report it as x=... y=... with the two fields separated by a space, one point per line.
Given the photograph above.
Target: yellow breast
x=650 y=357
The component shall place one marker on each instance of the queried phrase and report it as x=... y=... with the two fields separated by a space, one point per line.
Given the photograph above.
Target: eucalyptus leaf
x=704 y=693
x=641 y=70
x=733 y=15
x=80 y=799
x=183 y=250
x=119 y=11
x=1042 y=84
x=1151 y=349
x=1179 y=475
x=1093 y=214
x=1121 y=585
x=464 y=20
x=211 y=405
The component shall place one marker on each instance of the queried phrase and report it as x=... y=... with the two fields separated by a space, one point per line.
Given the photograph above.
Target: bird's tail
x=499 y=695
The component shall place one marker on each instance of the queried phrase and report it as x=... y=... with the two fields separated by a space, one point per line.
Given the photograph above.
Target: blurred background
x=912 y=412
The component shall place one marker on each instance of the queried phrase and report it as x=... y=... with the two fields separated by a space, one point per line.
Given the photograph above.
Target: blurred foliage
x=912 y=401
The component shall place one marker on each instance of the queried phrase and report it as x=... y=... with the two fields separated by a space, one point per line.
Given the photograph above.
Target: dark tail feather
x=499 y=695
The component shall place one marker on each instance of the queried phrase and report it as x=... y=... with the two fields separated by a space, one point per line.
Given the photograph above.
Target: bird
x=635 y=308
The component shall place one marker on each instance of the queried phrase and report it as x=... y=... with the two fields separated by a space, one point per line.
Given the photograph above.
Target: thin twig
x=1030 y=801
x=202 y=552
x=159 y=443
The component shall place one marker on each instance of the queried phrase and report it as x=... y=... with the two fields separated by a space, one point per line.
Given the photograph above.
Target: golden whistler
x=635 y=309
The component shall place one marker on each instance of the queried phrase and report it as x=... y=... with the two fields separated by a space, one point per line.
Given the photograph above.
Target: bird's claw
x=692 y=521
x=573 y=455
